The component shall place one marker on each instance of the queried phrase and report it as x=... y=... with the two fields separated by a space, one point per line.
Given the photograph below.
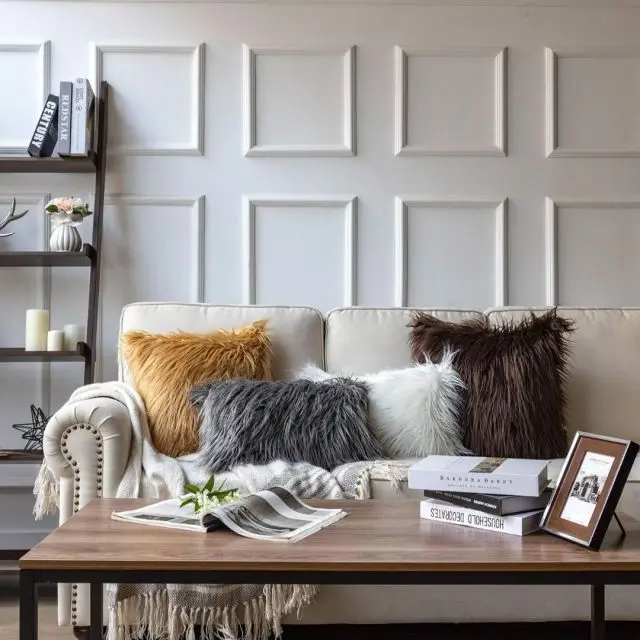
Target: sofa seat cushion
x=383 y=488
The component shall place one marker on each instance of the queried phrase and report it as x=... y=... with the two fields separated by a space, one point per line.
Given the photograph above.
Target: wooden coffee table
x=378 y=543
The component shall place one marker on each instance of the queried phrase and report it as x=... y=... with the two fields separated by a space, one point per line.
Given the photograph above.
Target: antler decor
x=12 y=216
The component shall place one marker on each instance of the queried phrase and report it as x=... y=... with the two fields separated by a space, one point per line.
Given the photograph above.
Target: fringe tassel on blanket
x=257 y=619
x=45 y=490
x=394 y=472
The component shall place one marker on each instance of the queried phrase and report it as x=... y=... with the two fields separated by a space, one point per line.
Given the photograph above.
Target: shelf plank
x=14 y=354
x=19 y=468
x=82 y=258
x=27 y=164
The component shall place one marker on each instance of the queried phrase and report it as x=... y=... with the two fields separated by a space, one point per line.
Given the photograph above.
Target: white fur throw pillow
x=414 y=412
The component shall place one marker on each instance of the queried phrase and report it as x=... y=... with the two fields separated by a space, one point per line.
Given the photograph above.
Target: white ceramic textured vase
x=65 y=237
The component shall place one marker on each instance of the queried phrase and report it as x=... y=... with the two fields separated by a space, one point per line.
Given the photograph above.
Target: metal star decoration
x=33 y=431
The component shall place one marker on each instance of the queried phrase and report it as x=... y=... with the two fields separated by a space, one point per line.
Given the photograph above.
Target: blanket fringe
x=45 y=490
x=394 y=473
x=150 y=615
x=363 y=484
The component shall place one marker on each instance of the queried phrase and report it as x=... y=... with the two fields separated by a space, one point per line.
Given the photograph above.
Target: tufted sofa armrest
x=86 y=447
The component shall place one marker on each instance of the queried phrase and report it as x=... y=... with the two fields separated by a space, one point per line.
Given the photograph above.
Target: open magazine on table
x=272 y=514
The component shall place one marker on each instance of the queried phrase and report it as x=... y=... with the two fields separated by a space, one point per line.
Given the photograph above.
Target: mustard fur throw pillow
x=165 y=367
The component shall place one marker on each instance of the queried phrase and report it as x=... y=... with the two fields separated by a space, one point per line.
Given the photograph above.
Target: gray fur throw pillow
x=255 y=422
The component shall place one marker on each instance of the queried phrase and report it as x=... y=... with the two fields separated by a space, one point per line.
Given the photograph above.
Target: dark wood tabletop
x=376 y=536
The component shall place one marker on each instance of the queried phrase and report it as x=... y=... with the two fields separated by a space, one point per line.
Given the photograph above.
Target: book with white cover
x=82 y=117
x=476 y=474
x=518 y=524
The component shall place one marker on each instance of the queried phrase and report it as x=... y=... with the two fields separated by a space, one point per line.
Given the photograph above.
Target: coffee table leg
x=95 y=612
x=597 y=612
x=28 y=606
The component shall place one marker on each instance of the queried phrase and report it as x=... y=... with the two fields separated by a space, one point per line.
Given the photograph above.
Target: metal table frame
x=97 y=577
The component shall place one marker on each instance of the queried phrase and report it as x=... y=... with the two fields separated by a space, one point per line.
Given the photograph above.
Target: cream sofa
x=604 y=397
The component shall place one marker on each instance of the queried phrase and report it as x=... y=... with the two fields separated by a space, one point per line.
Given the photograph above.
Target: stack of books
x=498 y=494
x=67 y=121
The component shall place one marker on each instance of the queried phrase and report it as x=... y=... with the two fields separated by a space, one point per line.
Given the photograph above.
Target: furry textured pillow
x=414 y=412
x=251 y=422
x=515 y=376
x=165 y=367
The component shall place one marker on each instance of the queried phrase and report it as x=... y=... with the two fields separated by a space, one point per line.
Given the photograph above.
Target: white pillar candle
x=73 y=333
x=55 y=340
x=36 y=330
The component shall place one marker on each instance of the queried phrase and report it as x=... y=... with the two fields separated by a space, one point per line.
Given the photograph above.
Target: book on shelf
x=45 y=135
x=517 y=524
x=273 y=514
x=82 y=117
x=475 y=474
x=499 y=505
x=64 y=118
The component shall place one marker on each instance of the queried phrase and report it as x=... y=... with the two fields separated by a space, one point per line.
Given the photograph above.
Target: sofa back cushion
x=603 y=391
x=362 y=340
x=604 y=377
x=296 y=332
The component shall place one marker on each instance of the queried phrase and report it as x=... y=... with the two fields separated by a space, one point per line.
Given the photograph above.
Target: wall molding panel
x=198 y=267
x=402 y=206
x=552 y=294
x=402 y=147
x=43 y=84
x=249 y=211
x=552 y=147
x=197 y=206
x=347 y=147
x=195 y=144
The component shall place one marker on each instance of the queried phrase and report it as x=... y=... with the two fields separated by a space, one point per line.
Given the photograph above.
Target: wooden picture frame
x=588 y=488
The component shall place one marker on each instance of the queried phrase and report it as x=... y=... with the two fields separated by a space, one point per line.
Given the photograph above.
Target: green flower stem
x=209 y=496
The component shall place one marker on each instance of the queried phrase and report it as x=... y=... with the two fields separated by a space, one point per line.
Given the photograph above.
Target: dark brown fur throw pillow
x=515 y=375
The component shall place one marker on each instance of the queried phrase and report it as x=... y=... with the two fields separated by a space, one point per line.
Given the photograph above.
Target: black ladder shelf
x=88 y=256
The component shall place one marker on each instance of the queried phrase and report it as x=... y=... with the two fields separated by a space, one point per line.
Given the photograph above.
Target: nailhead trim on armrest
x=76 y=487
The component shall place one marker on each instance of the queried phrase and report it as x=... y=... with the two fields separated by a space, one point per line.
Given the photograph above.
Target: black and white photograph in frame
x=587 y=488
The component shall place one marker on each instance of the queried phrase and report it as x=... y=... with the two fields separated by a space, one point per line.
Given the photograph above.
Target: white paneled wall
x=322 y=154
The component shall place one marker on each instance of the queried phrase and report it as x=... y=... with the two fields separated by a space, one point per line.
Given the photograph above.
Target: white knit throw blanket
x=163 y=476
x=172 y=611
